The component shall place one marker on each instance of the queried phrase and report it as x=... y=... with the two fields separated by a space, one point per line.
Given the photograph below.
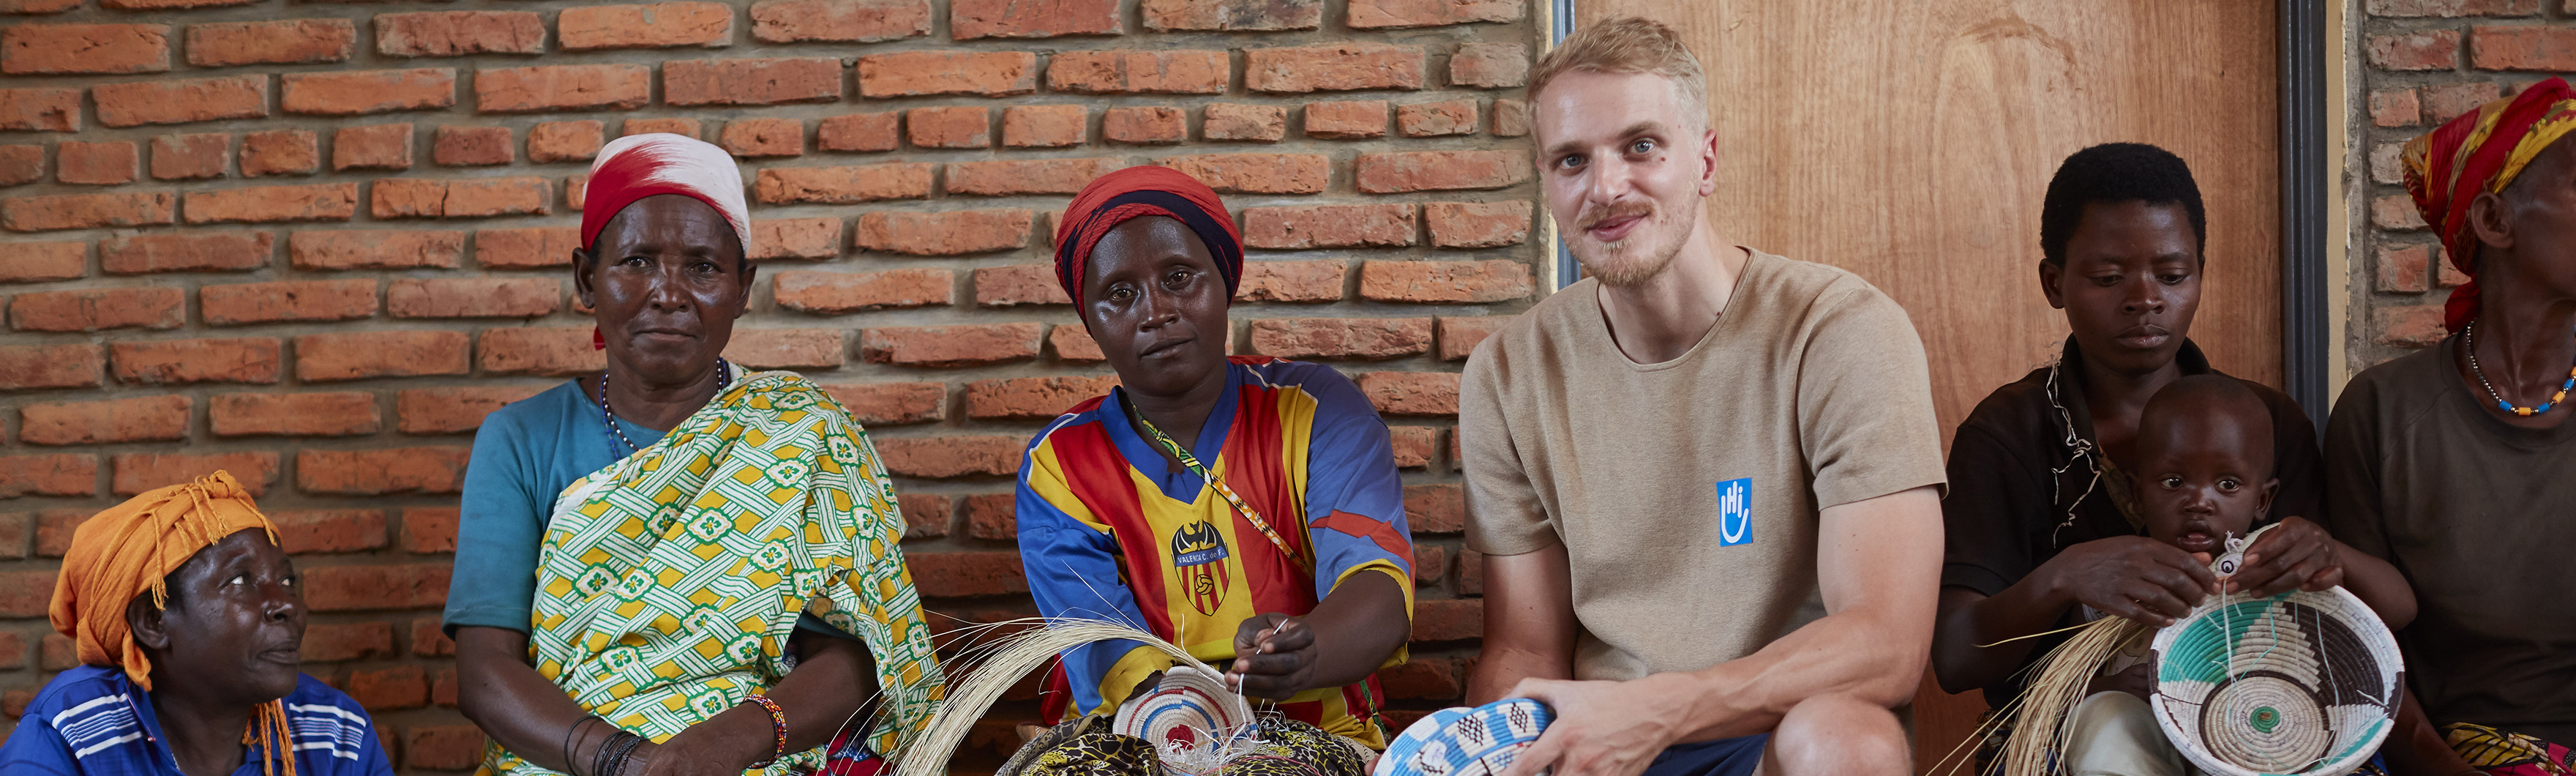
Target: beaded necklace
x=724 y=378
x=1191 y=462
x=2469 y=337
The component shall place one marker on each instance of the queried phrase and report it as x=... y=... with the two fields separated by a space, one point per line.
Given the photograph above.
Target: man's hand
x=1274 y=656
x=2134 y=577
x=1603 y=728
x=2295 y=554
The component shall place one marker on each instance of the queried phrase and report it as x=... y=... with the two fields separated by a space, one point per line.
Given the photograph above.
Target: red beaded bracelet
x=777 y=721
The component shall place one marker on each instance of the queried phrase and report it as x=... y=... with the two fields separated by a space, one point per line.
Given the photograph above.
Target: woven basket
x=1190 y=717
x=1481 y=741
x=2299 y=683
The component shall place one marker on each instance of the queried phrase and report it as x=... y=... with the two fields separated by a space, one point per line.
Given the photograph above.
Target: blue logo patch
x=1734 y=512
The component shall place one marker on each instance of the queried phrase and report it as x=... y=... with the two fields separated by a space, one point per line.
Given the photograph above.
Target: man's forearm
x=1849 y=653
x=1529 y=622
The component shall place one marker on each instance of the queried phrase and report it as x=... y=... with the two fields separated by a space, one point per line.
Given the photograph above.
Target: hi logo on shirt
x=1734 y=512
x=1198 y=551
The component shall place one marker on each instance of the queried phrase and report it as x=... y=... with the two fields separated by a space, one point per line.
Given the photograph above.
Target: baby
x=2204 y=455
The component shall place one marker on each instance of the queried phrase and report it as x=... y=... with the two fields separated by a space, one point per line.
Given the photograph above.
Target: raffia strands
x=2040 y=726
x=1002 y=662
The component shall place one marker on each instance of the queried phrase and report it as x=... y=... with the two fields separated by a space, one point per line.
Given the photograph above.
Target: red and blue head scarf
x=1136 y=192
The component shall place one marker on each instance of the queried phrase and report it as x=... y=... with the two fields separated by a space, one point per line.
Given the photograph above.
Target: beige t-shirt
x=1686 y=492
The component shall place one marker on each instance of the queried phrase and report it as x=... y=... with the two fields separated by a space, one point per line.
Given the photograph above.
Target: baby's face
x=2203 y=478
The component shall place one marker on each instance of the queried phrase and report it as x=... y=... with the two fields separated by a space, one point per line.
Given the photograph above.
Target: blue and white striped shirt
x=93 y=720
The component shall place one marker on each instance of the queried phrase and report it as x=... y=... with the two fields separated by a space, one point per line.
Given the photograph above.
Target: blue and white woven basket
x=1481 y=741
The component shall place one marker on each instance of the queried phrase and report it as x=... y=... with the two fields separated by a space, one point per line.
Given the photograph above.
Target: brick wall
x=2422 y=63
x=314 y=243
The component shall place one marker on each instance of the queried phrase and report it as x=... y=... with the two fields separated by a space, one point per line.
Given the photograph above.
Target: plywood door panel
x=1912 y=143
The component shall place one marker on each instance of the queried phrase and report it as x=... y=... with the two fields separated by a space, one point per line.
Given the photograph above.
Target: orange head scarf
x=2480 y=151
x=126 y=551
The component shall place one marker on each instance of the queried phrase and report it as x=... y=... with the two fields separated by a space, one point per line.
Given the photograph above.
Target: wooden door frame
x=2305 y=139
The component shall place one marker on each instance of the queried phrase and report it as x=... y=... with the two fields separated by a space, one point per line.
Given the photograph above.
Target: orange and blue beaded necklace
x=2469 y=341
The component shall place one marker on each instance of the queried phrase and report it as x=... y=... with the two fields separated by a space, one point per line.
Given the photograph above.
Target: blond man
x=1706 y=480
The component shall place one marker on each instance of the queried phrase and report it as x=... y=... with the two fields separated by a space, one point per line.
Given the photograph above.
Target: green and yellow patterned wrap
x=670 y=581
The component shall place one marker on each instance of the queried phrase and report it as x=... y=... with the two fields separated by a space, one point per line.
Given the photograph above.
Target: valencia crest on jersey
x=1198 y=550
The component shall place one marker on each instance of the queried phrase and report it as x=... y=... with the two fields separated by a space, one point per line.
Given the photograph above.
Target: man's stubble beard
x=1649 y=263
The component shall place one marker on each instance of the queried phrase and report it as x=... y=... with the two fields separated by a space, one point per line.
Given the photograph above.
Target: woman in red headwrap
x=1246 y=508
x=2455 y=462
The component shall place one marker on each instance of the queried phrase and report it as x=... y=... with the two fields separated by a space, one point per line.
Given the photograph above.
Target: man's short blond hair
x=1628 y=44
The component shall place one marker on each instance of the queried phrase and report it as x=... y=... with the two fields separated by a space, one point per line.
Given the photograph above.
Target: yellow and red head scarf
x=2481 y=151
x=126 y=551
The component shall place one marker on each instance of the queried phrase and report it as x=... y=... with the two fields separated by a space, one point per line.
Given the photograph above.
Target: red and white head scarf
x=638 y=166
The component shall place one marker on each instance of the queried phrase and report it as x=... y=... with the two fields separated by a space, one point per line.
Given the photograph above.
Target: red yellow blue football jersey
x=1108 y=530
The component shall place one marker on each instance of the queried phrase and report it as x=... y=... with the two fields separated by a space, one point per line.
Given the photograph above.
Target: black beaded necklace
x=608 y=417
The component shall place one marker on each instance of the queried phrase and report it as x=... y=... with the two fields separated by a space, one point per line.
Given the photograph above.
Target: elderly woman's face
x=233 y=628
x=665 y=279
x=1153 y=299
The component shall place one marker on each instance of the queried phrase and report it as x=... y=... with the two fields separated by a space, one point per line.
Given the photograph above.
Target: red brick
x=260 y=204
x=1490 y=65
x=1256 y=173
x=85 y=211
x=1073 y=345
x=1291 y=281
x=1448 y=620
x=839 y=293
x=1328 y=226
x=946 y=346
x=1032 y=398
x=330 y=643
x=2403 y=270
x=843 y=21
x=139 y=419
x=2414 y=326
x=2384 y=165
x=1332 y=67
x=884 y=404
x=404 y=687
x=842 y=185
x=750 y=138
x=292 y=300
x=1042 y=126
x=103 y=163
x=949 y=233
x=452 y=410
x=550 y=352
x=1005 y=177
x=786 y=348
x=32 y=262
x=1475 y=282
x=1436 y=119
x=1423 y=677
x=992 y=516
x=429 y=640
x=1356 y=338
x=659 y=25
x=2445 y=275
x=858 y=132
x=2443 y=102
x=57 y=653
x=185 y=252
x=348 y=413
x=751 y=81
x=971 y=19
x=280 y=152
x=1511 y=118
x=1155 y=125
x=1018 y=284
x=1350 y=120
x=361 y=355
x=459 y=197
x=564 y=141
x=2395 y=108
x=2396 y=213
x=561 y=87
x=473 y=297
x=684 y=127
x=252 y=360
x=1230 y=121
x=26 y=594
x=287 y=42
x=333 y=530
x=36 y=7
x=142 y=5
x=964 y=126
x=375 y=249
x=526 y=248
x=376 y=147
x=21 y=164
x=382 y=471
x=1477 y=224
x=1471 y=572
x=429 y=529
x=139 y=472
x=24 y=367
x=1412 y=445
x=924 y=73
x=1233 y=15
x=1381 y=14
x=442 y=747
x=55 y=527
x=2453 y=8
x=1435 y=509
x=1459 y=336
x=66 y=474
x=1412 y=393
x=94 y=309
x=185 y=157
x=355 y=588
x=361 y=92
x=27 y=49
x=2541 y=49
x=1405 y=171
x=2419 y=50
x=1139 y=72
x=42 y=110
x=463 y=146
x=796 y=238
x=958 y=574
x=925 y=515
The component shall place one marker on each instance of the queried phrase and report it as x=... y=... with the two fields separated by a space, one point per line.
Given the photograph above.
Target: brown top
x=1686 y=492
